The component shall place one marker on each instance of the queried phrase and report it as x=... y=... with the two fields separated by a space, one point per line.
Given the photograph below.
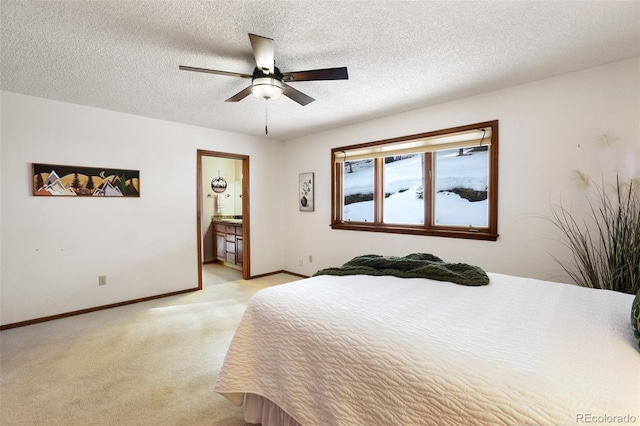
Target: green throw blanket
x=416 y=265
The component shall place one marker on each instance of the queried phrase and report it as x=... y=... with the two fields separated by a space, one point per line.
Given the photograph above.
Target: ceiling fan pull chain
x=266 y=116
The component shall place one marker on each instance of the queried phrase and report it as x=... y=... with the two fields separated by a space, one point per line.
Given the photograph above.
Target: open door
x=206 y=241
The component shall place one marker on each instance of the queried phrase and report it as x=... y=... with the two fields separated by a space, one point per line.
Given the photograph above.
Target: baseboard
x=296 y=274
x=282 y=271
x=127 y=302
x=97 y=308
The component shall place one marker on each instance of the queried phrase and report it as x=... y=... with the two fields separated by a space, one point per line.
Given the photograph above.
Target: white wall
x=547 y=129
x=54 y=248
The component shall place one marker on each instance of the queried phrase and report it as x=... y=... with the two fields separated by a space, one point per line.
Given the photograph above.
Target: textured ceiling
x=401 y=55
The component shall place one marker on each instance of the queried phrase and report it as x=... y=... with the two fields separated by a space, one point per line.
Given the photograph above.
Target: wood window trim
x=489 y=233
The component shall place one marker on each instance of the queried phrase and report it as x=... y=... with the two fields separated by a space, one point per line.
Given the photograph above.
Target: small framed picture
x=305 y=196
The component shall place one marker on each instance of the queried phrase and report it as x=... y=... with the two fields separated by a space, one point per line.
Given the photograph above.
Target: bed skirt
x=260 y=410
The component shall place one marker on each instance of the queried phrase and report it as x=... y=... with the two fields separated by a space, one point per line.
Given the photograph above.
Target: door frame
x=246 y=262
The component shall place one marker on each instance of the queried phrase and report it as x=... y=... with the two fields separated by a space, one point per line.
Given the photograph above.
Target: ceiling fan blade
x=297 y=95
x=323 y=74
x=205 y=70
x=263 y=52
x=240 y=95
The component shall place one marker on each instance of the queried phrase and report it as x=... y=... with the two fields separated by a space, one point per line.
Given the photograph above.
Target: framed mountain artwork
x=75 y=181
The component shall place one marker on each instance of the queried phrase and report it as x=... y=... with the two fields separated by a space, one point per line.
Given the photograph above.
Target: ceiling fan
x=267 y=82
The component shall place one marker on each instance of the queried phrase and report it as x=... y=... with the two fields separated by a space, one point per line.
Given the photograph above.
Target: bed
x=385 y=350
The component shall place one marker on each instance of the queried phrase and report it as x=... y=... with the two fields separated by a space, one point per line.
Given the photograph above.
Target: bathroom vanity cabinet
x=228 y=242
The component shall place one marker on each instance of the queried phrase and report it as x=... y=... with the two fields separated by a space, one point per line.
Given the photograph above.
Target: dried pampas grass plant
x=605 y=246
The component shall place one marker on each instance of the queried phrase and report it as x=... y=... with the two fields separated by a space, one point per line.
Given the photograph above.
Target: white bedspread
x=364 y=350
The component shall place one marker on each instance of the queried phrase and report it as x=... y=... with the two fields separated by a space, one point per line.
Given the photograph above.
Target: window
x=442 y=183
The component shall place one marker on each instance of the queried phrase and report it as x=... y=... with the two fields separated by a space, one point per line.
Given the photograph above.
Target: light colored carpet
x=150 y=363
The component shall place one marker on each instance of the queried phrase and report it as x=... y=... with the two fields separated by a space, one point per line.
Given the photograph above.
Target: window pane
x=461 y=177
x=358 y=191
x=403 y=195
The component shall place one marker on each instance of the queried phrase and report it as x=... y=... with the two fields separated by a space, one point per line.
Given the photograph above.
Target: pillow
x=635 y=317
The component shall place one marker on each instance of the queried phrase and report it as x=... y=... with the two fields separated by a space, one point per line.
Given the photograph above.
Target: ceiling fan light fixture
x=267 y=88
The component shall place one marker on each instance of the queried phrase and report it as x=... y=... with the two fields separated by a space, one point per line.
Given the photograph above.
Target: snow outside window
x=403 y=189
x=461 y=177
x=358 y=186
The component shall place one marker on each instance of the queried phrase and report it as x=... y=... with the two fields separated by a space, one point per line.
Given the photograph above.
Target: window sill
x=475 y=234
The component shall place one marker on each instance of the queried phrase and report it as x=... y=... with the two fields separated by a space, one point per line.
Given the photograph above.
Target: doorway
x=223 y=200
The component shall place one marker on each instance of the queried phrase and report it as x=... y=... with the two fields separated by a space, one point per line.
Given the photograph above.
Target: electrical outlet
x=102 y=280
x=310 y=259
